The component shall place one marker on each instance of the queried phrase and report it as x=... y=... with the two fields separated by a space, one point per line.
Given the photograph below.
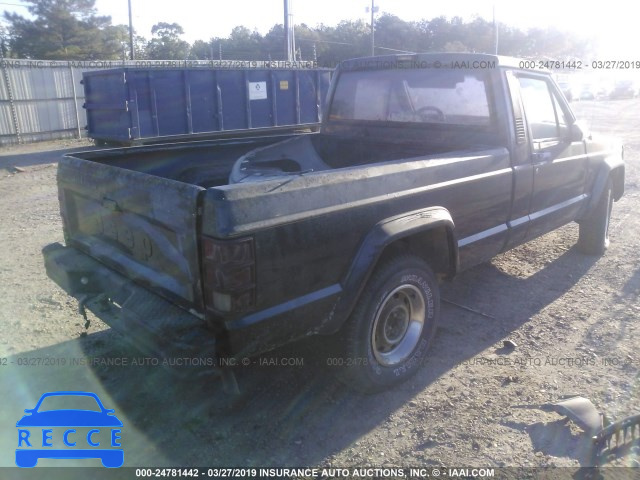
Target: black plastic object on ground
x=607 y=439
x=625 y=432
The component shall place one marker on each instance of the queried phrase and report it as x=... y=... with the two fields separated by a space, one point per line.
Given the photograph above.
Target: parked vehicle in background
x=595 y=90
x=425 y=166
x=624 y=89
x=589 y=91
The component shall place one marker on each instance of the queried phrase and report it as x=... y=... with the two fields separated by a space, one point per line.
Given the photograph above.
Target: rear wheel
x=594 y=230
x=387 y=337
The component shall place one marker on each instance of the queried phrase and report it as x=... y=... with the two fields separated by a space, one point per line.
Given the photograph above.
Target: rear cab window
x=439 y=96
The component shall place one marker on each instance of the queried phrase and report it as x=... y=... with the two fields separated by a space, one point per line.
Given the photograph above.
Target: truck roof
x=437 y=60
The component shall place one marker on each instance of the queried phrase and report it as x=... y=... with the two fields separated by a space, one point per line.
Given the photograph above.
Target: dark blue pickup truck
x=424 y=166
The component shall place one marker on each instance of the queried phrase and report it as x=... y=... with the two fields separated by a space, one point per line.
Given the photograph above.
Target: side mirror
x=575 y=133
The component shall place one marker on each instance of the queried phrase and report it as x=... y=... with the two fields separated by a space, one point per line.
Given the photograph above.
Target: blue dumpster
x=137 y=105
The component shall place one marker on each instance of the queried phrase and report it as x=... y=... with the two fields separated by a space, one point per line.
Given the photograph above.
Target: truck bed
x=205 y=164
x=143 y=211
x=352 y=148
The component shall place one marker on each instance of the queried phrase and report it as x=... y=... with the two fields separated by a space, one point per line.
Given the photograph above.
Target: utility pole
x=373 y=10
x=132 y=55
x=289 y=33
x=495 y=29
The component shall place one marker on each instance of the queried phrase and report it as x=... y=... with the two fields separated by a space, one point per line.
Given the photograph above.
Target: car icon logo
x=66 y=433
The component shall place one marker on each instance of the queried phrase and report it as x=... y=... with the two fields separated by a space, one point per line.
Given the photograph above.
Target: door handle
x=542 y=156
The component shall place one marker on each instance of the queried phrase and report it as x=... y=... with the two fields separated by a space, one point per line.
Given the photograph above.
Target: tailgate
x=140 y=225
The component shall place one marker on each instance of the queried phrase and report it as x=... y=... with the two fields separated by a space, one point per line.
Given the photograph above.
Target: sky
x=614 y=22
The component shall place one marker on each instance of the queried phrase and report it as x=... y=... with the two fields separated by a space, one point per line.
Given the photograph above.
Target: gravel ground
x=573 y=318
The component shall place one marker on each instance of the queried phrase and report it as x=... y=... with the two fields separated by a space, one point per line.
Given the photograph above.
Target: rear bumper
x=152 y=324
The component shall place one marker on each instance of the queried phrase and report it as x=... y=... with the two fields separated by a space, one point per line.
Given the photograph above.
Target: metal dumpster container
x=136 y=105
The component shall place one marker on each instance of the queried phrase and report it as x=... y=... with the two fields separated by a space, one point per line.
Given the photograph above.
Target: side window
x=542 y=110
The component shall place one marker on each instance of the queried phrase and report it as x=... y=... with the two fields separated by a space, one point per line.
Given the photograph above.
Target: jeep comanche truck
x=425 y=165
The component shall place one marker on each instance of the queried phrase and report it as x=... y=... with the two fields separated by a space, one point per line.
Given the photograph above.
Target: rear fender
x=383 y=235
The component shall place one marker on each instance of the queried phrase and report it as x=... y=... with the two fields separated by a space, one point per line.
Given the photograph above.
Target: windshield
x=417 y=96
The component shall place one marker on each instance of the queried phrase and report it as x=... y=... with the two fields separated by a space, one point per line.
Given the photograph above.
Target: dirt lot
x=574 y=319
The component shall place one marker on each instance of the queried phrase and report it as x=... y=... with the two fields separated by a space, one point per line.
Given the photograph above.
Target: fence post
x=12 y=105
x=75 y=102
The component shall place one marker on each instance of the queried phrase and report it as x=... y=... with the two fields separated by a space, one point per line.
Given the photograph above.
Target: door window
x=544 y=115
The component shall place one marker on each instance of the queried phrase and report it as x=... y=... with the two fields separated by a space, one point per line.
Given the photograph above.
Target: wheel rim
x=398 y=325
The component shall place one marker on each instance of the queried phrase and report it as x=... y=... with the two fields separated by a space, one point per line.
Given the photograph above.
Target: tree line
x=72 y=30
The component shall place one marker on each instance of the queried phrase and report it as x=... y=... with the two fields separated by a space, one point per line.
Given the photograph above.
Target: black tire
x=593 y=238
x=388 y=334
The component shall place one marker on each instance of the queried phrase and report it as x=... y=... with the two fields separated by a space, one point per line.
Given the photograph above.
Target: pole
x=373 y=48
x=132 y=55
x=75 y=102
x=10 y=97
x=289 y=33
x=292 y=34
x=495 y=29
x=286 y=30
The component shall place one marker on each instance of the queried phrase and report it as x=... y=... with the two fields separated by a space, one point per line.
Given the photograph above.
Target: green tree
x=393 y=35
x=478 y=36
x=139 y=46
x=308 y=39
x=201 y=50
x=166 y=43
x=349 y=39
x=244 y=44
x=4 y=41
x=272 y=45
x=64 y=30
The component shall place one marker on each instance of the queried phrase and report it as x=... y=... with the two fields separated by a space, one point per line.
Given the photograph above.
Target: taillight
x=229 y=274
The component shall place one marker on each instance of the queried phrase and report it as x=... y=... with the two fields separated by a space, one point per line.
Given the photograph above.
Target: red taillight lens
x=229 y=274
x=228 y=252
